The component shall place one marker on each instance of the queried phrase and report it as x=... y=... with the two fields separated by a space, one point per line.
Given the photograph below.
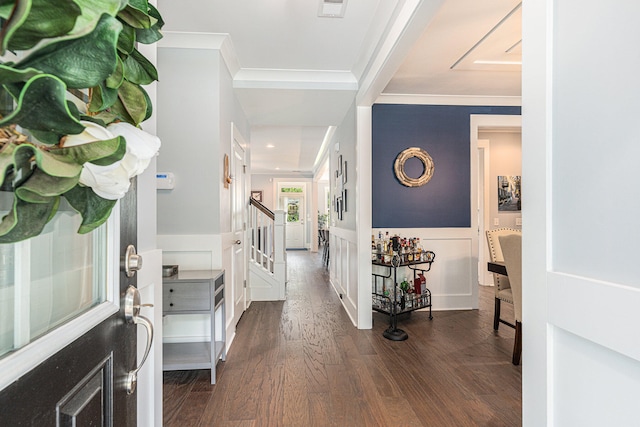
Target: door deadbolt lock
x=132 y=261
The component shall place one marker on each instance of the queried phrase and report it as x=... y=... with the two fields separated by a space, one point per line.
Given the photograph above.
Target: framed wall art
x=256 y=195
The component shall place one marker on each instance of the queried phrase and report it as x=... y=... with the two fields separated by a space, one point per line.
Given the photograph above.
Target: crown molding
x=195 y=40
x=392 y=98
x=252 y=78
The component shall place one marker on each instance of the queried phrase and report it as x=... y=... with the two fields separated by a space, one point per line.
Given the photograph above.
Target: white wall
x=195 y=124
x=188 y=111
x=343 y=238
x=505 y=160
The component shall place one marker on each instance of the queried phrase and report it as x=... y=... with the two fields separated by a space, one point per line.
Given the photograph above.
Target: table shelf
x=397 y=302
x=194 y=292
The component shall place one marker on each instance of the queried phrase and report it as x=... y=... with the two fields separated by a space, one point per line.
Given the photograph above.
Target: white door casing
x=238 y=221
x=581 y=282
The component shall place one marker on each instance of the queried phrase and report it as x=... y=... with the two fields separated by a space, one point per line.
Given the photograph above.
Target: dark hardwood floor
x=300 y=362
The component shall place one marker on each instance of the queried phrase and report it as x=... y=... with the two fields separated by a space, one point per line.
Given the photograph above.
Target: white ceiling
x=299 y=73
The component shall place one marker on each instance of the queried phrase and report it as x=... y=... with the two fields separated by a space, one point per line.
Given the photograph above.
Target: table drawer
x=186 y=296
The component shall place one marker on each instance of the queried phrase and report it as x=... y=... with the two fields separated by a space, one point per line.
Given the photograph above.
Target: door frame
x=477 y=123
x=239 y=184
x=485 y=278
x=304 y=183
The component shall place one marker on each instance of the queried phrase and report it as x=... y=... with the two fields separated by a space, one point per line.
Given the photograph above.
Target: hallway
x=300 y=362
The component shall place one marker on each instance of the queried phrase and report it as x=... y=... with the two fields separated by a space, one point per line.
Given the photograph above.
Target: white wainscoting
x=453 y=279
x=343 y=268
x=197 y=252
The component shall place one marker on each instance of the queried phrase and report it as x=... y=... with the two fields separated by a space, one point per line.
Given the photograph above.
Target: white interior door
x=581 y=276
x=293 y=205
x=239 y=201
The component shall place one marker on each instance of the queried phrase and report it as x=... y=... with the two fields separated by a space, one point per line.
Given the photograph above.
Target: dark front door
x=83 y=383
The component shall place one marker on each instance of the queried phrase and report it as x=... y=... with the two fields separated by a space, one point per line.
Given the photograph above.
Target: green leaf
x=92 y=10
x=134 y=101
x=102 y=98
x=18 y=156
x=136 y=18
x=154 y=13
x=127 y=39
x=8 y=74
x=120 y=112
x=149 y=111
x=82 y=62
x=47 y=138
x=115 y=80
x=19 y=14
x=141 y=5
x=94 y=209
x=138 y=69
x=26 y=220
x=40 y=187
x=73 y=110
x=58 y=165
x=105 y=117
x=151 y=34
x=42 y=107
x=101 y=153
x=46 y=19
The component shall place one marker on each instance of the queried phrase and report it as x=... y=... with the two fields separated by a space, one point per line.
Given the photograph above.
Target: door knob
x=132 y=315
x=237 y=242
x=132 y=261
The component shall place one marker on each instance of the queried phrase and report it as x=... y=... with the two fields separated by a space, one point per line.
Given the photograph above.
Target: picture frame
x=256 y=195
x=344 y=173
x=344 y=200
x=340 y=165
x=509 y=193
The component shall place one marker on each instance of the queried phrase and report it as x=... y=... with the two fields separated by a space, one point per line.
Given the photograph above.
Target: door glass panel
x=50 y=279
x=293 y=210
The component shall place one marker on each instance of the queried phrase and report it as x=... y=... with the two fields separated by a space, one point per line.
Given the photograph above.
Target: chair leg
x=517 y=344
x=496 y=315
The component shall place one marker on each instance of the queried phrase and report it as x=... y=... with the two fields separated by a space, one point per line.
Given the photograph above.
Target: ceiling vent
x=332 y=8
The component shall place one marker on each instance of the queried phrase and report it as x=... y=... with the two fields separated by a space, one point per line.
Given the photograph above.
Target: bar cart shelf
x=398 y=302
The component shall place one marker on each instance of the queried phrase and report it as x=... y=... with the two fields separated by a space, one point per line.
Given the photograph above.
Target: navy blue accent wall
x=441 y=130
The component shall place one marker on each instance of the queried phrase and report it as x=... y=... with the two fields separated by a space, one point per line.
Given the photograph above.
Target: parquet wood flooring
x=301 y=362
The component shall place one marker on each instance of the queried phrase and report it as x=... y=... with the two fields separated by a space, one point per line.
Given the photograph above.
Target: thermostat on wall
x=165 y=181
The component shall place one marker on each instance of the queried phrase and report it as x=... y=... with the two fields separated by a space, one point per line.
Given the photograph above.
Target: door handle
x=132 y=261
x=237 y=242
x=132 y=315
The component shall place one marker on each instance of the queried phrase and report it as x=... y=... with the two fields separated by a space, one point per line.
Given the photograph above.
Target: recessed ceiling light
x=277 y=168
x=270 y=146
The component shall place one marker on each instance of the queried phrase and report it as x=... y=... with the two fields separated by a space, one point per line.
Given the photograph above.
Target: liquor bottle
x=410 y=250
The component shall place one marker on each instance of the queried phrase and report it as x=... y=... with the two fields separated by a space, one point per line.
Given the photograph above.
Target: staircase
x=267 y=254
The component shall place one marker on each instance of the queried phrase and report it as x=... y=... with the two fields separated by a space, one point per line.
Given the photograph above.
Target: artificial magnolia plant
x=85 y=155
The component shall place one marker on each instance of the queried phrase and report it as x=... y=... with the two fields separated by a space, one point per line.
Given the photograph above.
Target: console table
x=194 y=292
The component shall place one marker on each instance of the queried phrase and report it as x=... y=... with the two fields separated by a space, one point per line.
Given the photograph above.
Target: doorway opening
x=292 y=199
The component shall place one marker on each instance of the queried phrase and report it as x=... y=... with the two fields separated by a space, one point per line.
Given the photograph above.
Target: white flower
x=141 y=147
x=113 y=181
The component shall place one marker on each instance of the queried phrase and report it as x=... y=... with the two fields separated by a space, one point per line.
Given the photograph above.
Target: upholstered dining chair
x=501 y=283
x=511 y=245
